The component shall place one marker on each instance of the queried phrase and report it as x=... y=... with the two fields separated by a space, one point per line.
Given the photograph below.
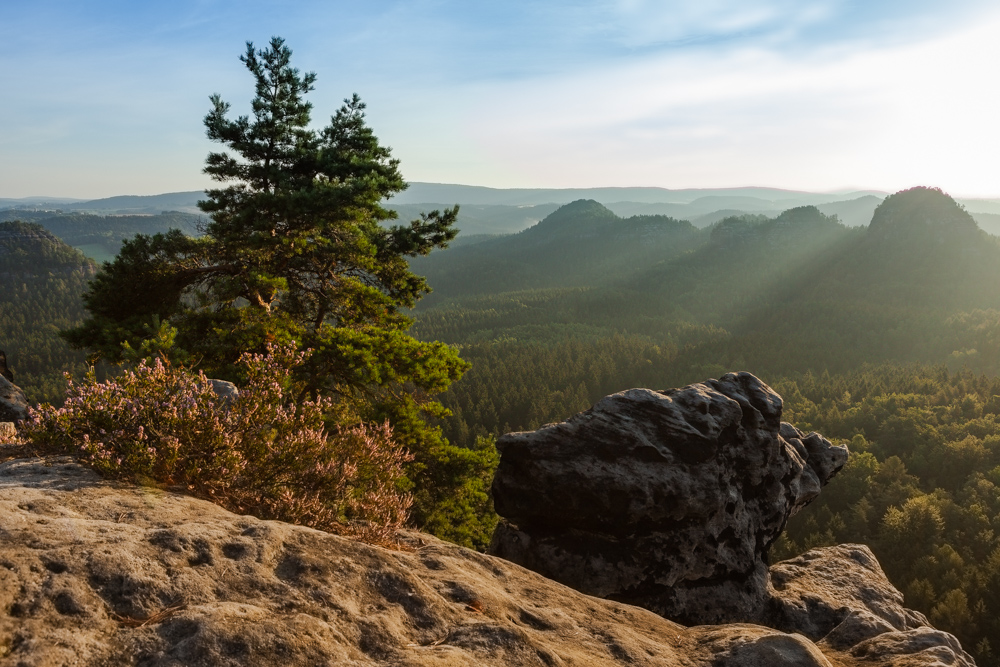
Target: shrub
x=259 y=453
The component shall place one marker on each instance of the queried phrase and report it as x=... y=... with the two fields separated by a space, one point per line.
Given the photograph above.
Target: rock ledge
x=99 y=574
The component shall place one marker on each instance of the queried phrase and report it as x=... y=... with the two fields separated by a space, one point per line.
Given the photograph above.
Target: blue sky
x=105 y=98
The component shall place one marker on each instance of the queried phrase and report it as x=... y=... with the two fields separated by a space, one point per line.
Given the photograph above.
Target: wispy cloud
x=886 y=117
x=107 y=97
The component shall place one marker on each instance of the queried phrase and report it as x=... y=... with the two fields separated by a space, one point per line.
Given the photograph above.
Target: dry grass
x=9 y=452
x=158 y=617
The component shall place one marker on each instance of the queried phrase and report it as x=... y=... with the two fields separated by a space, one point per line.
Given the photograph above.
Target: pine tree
x=298 y=248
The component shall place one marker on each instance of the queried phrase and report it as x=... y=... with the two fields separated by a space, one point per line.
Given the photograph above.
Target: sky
x=105 y=98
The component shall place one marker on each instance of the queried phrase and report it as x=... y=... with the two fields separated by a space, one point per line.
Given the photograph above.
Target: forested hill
x=778 y=296
x=922 y=283
x=100 y=236
x=580 y=244
x=792 y=293
x=29 y=250
x=41 y=280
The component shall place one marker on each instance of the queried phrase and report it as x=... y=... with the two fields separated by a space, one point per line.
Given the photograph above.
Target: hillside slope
x=580 y=244
x=100 y=236
x=41 y=280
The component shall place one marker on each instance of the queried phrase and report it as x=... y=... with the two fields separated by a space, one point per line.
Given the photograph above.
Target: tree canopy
x=299 y=248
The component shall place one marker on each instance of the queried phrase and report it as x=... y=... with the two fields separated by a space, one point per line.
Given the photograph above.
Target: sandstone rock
x=856 y=627
x=5 y=372
x=668 y=500
x=752 y=646
x=839 y=597
x=915 y=648
x=97 y=574
x=93 y=573
x=13 y=404
x=227 y=391
x=821 y=589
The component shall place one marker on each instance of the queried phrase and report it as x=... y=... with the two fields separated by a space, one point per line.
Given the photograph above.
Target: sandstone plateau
x=96 y=573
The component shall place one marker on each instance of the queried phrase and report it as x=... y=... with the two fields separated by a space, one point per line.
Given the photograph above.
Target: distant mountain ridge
x=580 y=244
x=440 y=192
x=758 y=277
x=184 y=202
x=492 y=211
x=28 y=202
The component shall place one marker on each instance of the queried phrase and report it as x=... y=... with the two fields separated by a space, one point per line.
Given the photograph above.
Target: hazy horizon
x=828 y=96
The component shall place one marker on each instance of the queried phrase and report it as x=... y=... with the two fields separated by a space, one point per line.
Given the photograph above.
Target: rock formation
x=840 y=598
x=4 y=370
x=13 y=404
x=97 y=574
x=668 y=500
x=225 y=390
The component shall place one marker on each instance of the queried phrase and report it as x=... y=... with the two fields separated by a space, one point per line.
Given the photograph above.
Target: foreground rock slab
x=668 y=500
x=100 y=574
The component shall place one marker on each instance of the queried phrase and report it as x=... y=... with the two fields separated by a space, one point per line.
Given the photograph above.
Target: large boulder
x=13 y=403
x=668 y=500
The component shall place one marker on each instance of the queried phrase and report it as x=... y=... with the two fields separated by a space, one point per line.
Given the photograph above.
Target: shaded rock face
x=839 y=598
x=13 y=404
x=97 y=574
x=4 y=370
x=668 y=500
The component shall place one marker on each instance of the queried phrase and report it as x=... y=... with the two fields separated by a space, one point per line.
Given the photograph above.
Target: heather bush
x=260 y=453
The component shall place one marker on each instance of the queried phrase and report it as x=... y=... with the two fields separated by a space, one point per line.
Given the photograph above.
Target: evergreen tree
x=297 y=249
